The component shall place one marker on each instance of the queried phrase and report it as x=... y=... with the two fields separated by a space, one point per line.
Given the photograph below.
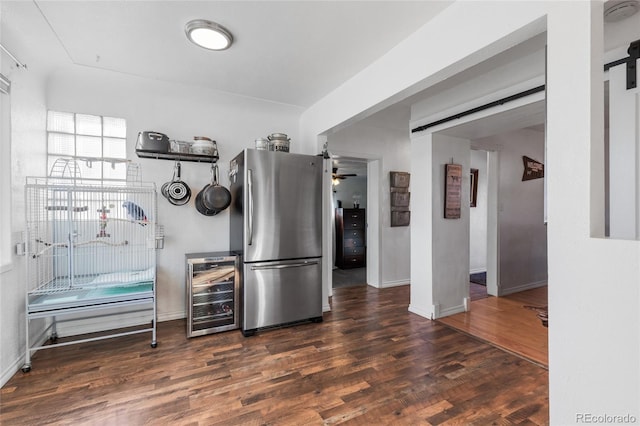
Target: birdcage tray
x=91 y=297
x=98 y=290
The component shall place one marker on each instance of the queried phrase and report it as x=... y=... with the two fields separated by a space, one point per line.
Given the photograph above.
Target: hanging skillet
x=202 y=209
x=177 y=192
x=215 y=196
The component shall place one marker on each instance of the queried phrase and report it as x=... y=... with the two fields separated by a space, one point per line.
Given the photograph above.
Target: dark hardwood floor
x=369 y=362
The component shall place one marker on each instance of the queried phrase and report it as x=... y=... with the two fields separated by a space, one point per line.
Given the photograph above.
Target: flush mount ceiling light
x=619 y=10
x=208 y=34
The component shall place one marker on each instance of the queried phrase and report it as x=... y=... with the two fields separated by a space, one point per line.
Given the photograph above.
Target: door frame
x=373 y=226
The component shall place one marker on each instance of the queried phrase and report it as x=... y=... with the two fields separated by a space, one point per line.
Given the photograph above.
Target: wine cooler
x=212 y=293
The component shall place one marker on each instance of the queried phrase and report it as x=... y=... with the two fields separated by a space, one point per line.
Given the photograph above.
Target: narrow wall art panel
x=453 y=191
x=399 y=198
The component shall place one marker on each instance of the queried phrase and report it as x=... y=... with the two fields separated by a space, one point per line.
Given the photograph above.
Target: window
x=97 y=144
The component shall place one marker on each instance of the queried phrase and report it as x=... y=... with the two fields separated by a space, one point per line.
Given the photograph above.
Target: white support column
x=439 y=246
x=421 y=302
x=450 y=237
x=493 y=230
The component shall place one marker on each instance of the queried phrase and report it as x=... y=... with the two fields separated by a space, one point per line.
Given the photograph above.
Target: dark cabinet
x=350 y=238
x=212 y=293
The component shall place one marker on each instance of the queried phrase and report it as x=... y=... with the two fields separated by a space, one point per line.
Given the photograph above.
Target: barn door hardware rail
x=480 y=108
x=631 y=61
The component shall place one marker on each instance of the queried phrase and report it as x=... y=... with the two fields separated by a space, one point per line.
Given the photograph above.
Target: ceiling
x=350 y=166
x=292 y=52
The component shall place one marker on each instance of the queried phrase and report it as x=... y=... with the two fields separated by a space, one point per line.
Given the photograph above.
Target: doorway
x=478 y=224
x=513 y=232
x=349 y=185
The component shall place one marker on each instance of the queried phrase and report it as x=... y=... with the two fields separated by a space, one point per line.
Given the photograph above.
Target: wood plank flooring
x=369 y=362
x=477 y=291
x=505 y=322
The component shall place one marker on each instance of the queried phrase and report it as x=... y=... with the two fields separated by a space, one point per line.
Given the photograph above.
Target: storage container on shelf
x=204 y=146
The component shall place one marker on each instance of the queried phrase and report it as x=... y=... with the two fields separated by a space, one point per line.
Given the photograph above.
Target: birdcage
x=90 y=247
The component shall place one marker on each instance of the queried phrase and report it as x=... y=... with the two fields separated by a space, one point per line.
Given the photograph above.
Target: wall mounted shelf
x=178 y=156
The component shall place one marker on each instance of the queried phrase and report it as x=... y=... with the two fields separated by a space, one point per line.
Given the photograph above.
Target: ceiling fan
x=337 y=177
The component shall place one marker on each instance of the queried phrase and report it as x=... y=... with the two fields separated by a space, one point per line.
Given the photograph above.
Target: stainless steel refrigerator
x=276 y=228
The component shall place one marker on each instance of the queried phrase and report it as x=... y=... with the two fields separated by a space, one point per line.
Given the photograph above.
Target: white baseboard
x=11 y=370
x=415 y=310
x=395 y=283
x=326 y=308
x=451 y=311
x=523 y=287
x=18 y=363
x=172 y=316
x=477 y=270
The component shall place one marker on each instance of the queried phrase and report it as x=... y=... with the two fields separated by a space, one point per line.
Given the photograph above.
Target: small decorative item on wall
x=400 y=197
x=453 y=191
x=474 y=187
x=532 y=169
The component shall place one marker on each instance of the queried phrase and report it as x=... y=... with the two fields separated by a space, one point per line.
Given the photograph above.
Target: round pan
x=215 y=196
x=202 y=209
x=176 y=191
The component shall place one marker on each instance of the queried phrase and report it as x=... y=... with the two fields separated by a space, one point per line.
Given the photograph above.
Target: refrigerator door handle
x=290 y=265
x=250 y=191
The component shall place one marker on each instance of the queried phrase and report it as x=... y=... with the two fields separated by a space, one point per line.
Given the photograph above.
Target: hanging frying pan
x=215 y=196
x=202 y=209
x=177 y=192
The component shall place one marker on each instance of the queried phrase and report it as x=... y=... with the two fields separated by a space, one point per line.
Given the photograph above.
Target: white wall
x=181 y=112
x=478 y=216
x=347 y=188
x=28 y=121
x=392 y=146
x=593 y=283
x=522 y=233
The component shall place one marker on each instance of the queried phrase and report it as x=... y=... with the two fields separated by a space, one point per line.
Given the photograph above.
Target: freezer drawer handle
x=291 y=265
x=250 y=188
